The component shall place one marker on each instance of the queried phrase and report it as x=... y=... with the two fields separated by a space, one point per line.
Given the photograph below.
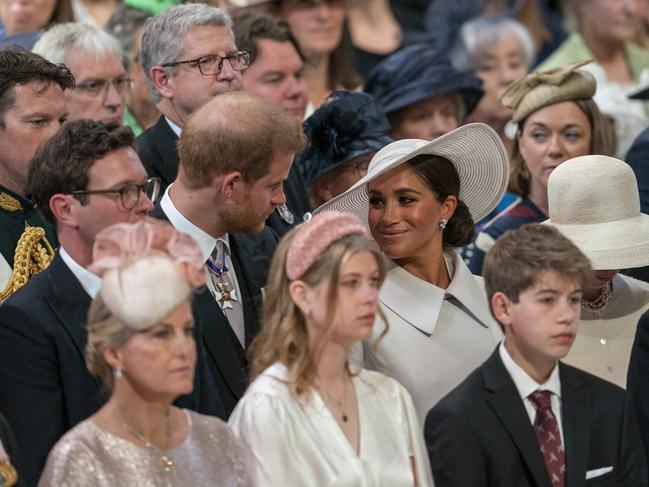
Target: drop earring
x=442 y=223
x=118 y=373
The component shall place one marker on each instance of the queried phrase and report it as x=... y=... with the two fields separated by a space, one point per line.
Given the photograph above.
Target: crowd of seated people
x=317 y=242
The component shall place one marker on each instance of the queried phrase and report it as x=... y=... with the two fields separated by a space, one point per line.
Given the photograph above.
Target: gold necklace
x=165 y=460
x=340 y=405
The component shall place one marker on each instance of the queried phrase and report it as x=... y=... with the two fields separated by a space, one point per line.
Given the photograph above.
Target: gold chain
x=33 y=254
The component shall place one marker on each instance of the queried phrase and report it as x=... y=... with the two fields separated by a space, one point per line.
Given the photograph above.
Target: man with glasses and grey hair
x=84 y=179
x=95 y=59
x=189 y=56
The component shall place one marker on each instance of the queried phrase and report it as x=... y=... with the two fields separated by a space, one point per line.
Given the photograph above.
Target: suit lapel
x=221 y=343
x=576 y=418
x=505 y=400
x=248 y=264
x=70 y=303
x=165 y=139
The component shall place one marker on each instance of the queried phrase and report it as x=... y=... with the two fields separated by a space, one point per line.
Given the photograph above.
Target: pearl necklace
x=602 y=301
x=165 y=460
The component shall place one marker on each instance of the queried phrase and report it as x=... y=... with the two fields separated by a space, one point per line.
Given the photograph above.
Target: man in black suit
x=523 y=418
x=235 y=153
x=189 y=56
x=84 y=179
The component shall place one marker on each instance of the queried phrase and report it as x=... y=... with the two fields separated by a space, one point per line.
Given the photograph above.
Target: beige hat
x=594 y=201
x=538 y=90
x=475 y=150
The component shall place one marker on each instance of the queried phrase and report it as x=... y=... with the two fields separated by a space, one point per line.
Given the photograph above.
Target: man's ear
x=501 y=308
x=162 y=81
x=64 y=207
x=229 y=183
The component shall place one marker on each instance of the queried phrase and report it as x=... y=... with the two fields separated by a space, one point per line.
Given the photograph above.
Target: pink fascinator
x=313 y=238
x=147 y=268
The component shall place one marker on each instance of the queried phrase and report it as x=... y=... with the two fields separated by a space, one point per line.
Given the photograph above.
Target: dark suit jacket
x=638 y=159
x=480 y=433
x=227 y=360
x=159 y=153
x=637 y=382
x=46 y=387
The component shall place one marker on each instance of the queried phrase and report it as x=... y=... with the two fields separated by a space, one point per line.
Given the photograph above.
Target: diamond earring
x=442 y=223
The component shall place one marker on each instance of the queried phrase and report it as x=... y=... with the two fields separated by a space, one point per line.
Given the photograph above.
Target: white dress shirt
x=90 y=282
x=526 y=386
x=176 y=129
x=207 y=243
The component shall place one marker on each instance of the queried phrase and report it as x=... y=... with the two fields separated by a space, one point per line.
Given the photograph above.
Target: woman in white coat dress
x=419 y=200
x=307 y=417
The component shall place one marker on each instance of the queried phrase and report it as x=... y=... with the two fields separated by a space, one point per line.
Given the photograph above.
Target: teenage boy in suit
x=523 y=418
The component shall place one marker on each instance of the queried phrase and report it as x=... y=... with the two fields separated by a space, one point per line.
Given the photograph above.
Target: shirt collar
x=90 y=282
x=205 y=241
x=523 y=382
x=176 y=129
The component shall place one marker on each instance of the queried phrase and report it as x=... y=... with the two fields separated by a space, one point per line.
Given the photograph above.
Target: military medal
x=223 y=293
x=286 y=214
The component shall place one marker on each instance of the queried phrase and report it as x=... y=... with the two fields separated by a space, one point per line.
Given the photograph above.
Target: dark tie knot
x=541 y=399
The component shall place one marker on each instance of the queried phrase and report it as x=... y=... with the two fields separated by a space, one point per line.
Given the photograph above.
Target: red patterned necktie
x=549 y=438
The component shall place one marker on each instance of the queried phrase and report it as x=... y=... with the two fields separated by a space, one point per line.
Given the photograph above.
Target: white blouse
x=436 y=336
x=604 y=340
x=299 y=443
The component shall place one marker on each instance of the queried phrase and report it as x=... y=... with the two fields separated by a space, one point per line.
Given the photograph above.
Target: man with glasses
x=32 y=108
x=190 y=56
x=95 y=59
x=84 y=179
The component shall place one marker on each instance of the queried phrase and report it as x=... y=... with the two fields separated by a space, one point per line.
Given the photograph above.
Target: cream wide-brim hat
x=475 y=150
x=594 y=201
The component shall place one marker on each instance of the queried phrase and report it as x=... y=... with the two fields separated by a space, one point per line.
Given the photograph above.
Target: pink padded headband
x=314 y=236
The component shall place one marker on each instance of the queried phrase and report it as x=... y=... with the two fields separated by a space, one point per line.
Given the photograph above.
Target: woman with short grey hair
x=500 y=50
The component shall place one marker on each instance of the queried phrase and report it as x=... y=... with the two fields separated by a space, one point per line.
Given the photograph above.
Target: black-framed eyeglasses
x=212 y=63
x=94 y=87
x=129 y=193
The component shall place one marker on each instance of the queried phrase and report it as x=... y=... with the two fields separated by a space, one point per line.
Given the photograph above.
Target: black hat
x=418 y=72
x=349 y=125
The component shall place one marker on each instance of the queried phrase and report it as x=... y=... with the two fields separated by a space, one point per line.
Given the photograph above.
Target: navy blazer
x=46 y=387
x=480 y=433
x=637 y=381
x=157 y=148
x=227 y=360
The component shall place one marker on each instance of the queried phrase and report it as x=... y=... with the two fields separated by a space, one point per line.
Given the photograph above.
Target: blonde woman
x=308 y=419
x=140 y=343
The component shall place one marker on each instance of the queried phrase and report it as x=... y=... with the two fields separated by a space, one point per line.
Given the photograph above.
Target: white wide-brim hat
x=594 y=201
x=475 y=150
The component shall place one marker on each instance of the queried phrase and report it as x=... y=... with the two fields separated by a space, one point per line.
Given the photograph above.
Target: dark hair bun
x=460 y=229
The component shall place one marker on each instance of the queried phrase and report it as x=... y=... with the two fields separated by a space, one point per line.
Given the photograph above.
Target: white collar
x=176 y=129
x=419 y=302
x=90 y=282
x=523 y=382
x=205 y=241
